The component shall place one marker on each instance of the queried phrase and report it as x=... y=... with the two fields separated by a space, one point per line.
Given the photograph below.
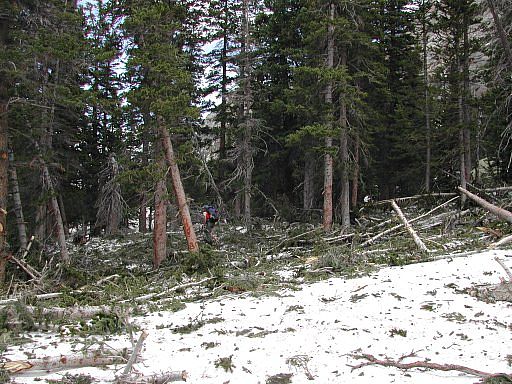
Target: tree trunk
x=344 y=156
x=328 y=162
x=466 y=95
x=497 y=211
x=59 y=226
x=4 y=155
x=178 y=187
x=160 y=227
x=356 y=173
x=247 y=158
x=18 y=208
x=308 y=194
x=502 y=35
x=409 y=228
x=428 y=132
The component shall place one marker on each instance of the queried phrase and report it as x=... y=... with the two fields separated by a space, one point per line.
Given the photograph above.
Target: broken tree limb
x=409 y=228
x=153 y=379
x=32 y=272
x=504 y=240
x=173 y=289
x=136 y=350
x=369 y=241
x=500 y=262
x=55 y=363
x=372 y=360
x=495 y=210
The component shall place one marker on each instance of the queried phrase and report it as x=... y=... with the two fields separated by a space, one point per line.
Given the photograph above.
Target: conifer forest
x=334 y=123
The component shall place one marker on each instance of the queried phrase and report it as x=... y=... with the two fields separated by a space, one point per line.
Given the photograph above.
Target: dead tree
x=409 y=228
x=501 y=213
x=177 y=185
x=110 y=204
x=372 y=360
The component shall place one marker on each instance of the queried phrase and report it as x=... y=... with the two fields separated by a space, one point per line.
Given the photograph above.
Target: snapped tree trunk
x=177 y=185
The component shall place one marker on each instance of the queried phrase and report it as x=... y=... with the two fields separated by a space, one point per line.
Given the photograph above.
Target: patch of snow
x=390 y=313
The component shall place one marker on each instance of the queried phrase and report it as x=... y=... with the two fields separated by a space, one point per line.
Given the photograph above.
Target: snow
x=317 y=328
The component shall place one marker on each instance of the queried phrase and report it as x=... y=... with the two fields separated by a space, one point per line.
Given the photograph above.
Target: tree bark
x=328 y=162
x=177 y=185
x=160 y=223
x=409 y=228
x=501 y=213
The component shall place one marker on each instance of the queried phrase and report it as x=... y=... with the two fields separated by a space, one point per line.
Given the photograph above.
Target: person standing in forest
x=210 y=218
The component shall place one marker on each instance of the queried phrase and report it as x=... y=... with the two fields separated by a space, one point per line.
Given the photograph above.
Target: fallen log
x=55 y=363
x=504 y=240
x=153 y=379
x=409 y=228
x=371 y=240
x=372 y=360
x=501 y=213
x=135 y=353
x=173 y=289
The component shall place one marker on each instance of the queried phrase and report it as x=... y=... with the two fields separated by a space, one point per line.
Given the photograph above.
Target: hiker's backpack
x=214 y=213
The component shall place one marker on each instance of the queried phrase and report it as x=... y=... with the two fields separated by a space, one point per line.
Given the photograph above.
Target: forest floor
x=286 y=303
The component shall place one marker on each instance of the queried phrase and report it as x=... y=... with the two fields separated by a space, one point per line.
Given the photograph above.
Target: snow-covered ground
x=313 y=332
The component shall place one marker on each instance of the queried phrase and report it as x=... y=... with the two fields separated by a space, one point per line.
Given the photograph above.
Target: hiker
x=210 y=216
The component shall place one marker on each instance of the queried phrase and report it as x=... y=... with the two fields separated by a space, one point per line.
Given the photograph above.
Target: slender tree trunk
x=4 y=154
x=344 y=155
x=160 y=228
x=18 y=208
x=502 y=35
x=59 y=226
x=224 y=94
x=247 y=158
x=177 y=185
x=466 y=96
x=328 y=162
x=143 y=224
x=308 y=194
x=356 y=173
x=428 y=132
x=4 y=165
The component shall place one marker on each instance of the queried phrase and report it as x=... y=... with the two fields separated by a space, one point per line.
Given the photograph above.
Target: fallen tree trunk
x=153 y=379
x=409 y=228
x=55 y=363
x=371 y=240
x=505 y=240
x=372 y=360
x=495 y=210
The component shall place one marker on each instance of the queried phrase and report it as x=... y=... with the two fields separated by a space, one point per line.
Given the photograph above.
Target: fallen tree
x=501 y=213
x=387 y=362
x=55 y=363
